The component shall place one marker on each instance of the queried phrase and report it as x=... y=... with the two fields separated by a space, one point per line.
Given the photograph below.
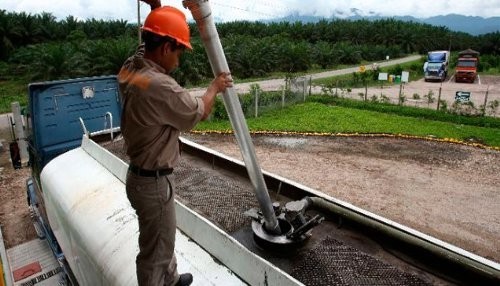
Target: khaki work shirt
x=155 y=110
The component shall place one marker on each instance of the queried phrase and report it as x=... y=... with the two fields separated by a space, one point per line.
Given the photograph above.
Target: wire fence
x=258 y=101
x=462 y=99
x=295 y=90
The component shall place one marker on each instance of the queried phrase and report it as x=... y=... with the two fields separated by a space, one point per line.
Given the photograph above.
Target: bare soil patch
x=15 y=219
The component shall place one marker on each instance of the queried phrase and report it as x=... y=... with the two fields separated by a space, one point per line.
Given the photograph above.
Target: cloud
x=258 y=9
x=82 y=9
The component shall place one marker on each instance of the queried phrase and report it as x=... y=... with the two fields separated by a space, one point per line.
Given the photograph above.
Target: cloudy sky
x=229 y=10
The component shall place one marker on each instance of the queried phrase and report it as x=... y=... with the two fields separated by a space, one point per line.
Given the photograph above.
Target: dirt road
x=15 y=220
x=277 y=84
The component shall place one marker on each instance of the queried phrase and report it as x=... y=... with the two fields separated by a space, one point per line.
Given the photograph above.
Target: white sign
x=405 y=76
x=382 y=76
x=462 y=96
x=87 y=92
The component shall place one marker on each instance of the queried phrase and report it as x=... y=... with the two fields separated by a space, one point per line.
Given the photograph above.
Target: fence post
x=486 y=100
x=20 y=136
x=400 y=89
x=256 y=103
x=439 y=99
x=283 y=98
x=310 y=85
x=304 y=89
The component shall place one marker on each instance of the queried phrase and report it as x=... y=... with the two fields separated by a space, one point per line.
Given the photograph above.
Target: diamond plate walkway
x=32 y=263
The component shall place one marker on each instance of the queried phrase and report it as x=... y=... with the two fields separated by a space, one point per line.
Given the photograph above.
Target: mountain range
x=459 y=23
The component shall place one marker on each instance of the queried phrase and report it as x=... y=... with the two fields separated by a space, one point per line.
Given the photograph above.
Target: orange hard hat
x=168 y=21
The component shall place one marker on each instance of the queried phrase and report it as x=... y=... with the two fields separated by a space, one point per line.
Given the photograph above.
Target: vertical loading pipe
x=202 y=14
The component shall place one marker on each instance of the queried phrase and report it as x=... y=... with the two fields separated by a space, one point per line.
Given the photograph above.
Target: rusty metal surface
x=332 y=262
x=223 y=200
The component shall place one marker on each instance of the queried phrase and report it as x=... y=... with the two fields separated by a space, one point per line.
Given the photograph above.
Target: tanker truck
x=466 y=69
x=77 y=195
x=236 y=223
x=436 y=66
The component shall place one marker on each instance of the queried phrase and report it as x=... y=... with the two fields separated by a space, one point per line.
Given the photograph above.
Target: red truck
x=466 y=69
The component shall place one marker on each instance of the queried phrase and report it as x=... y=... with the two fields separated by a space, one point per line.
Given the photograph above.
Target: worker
x=155 y=110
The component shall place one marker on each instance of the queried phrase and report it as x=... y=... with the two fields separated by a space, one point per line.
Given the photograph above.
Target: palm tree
x=194 y=66
x=52 y=62
x=6 y=27
x=115 y=53
x=323 y=55
x=490 y=43
x=69 y=24
x=347 y=53
x=48 y=26
x=27 y=29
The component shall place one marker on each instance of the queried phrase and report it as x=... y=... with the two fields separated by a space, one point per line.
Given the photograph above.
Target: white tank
x=91 y=218
x=97 y=229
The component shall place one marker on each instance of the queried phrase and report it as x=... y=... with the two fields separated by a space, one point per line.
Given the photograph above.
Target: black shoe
x=185 y=279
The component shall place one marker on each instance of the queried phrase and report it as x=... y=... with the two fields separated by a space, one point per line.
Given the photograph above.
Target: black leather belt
x=150 y=173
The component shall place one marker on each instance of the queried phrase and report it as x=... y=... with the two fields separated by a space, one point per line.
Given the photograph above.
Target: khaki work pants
x=153 y=200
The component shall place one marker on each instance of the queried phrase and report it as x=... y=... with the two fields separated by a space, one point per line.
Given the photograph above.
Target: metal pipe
x=85 y=131
x=139 y=22
x=20 y=135
x=202 y=14
x=110 y=123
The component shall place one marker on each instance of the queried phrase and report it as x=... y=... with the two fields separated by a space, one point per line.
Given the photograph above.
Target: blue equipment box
x=55 y=109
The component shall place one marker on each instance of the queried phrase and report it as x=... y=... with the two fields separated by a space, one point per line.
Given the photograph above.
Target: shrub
x=430 y=97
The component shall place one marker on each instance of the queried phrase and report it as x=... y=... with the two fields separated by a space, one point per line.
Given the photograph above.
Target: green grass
x=490 y=71
x=11 y=91
x=318 y=117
